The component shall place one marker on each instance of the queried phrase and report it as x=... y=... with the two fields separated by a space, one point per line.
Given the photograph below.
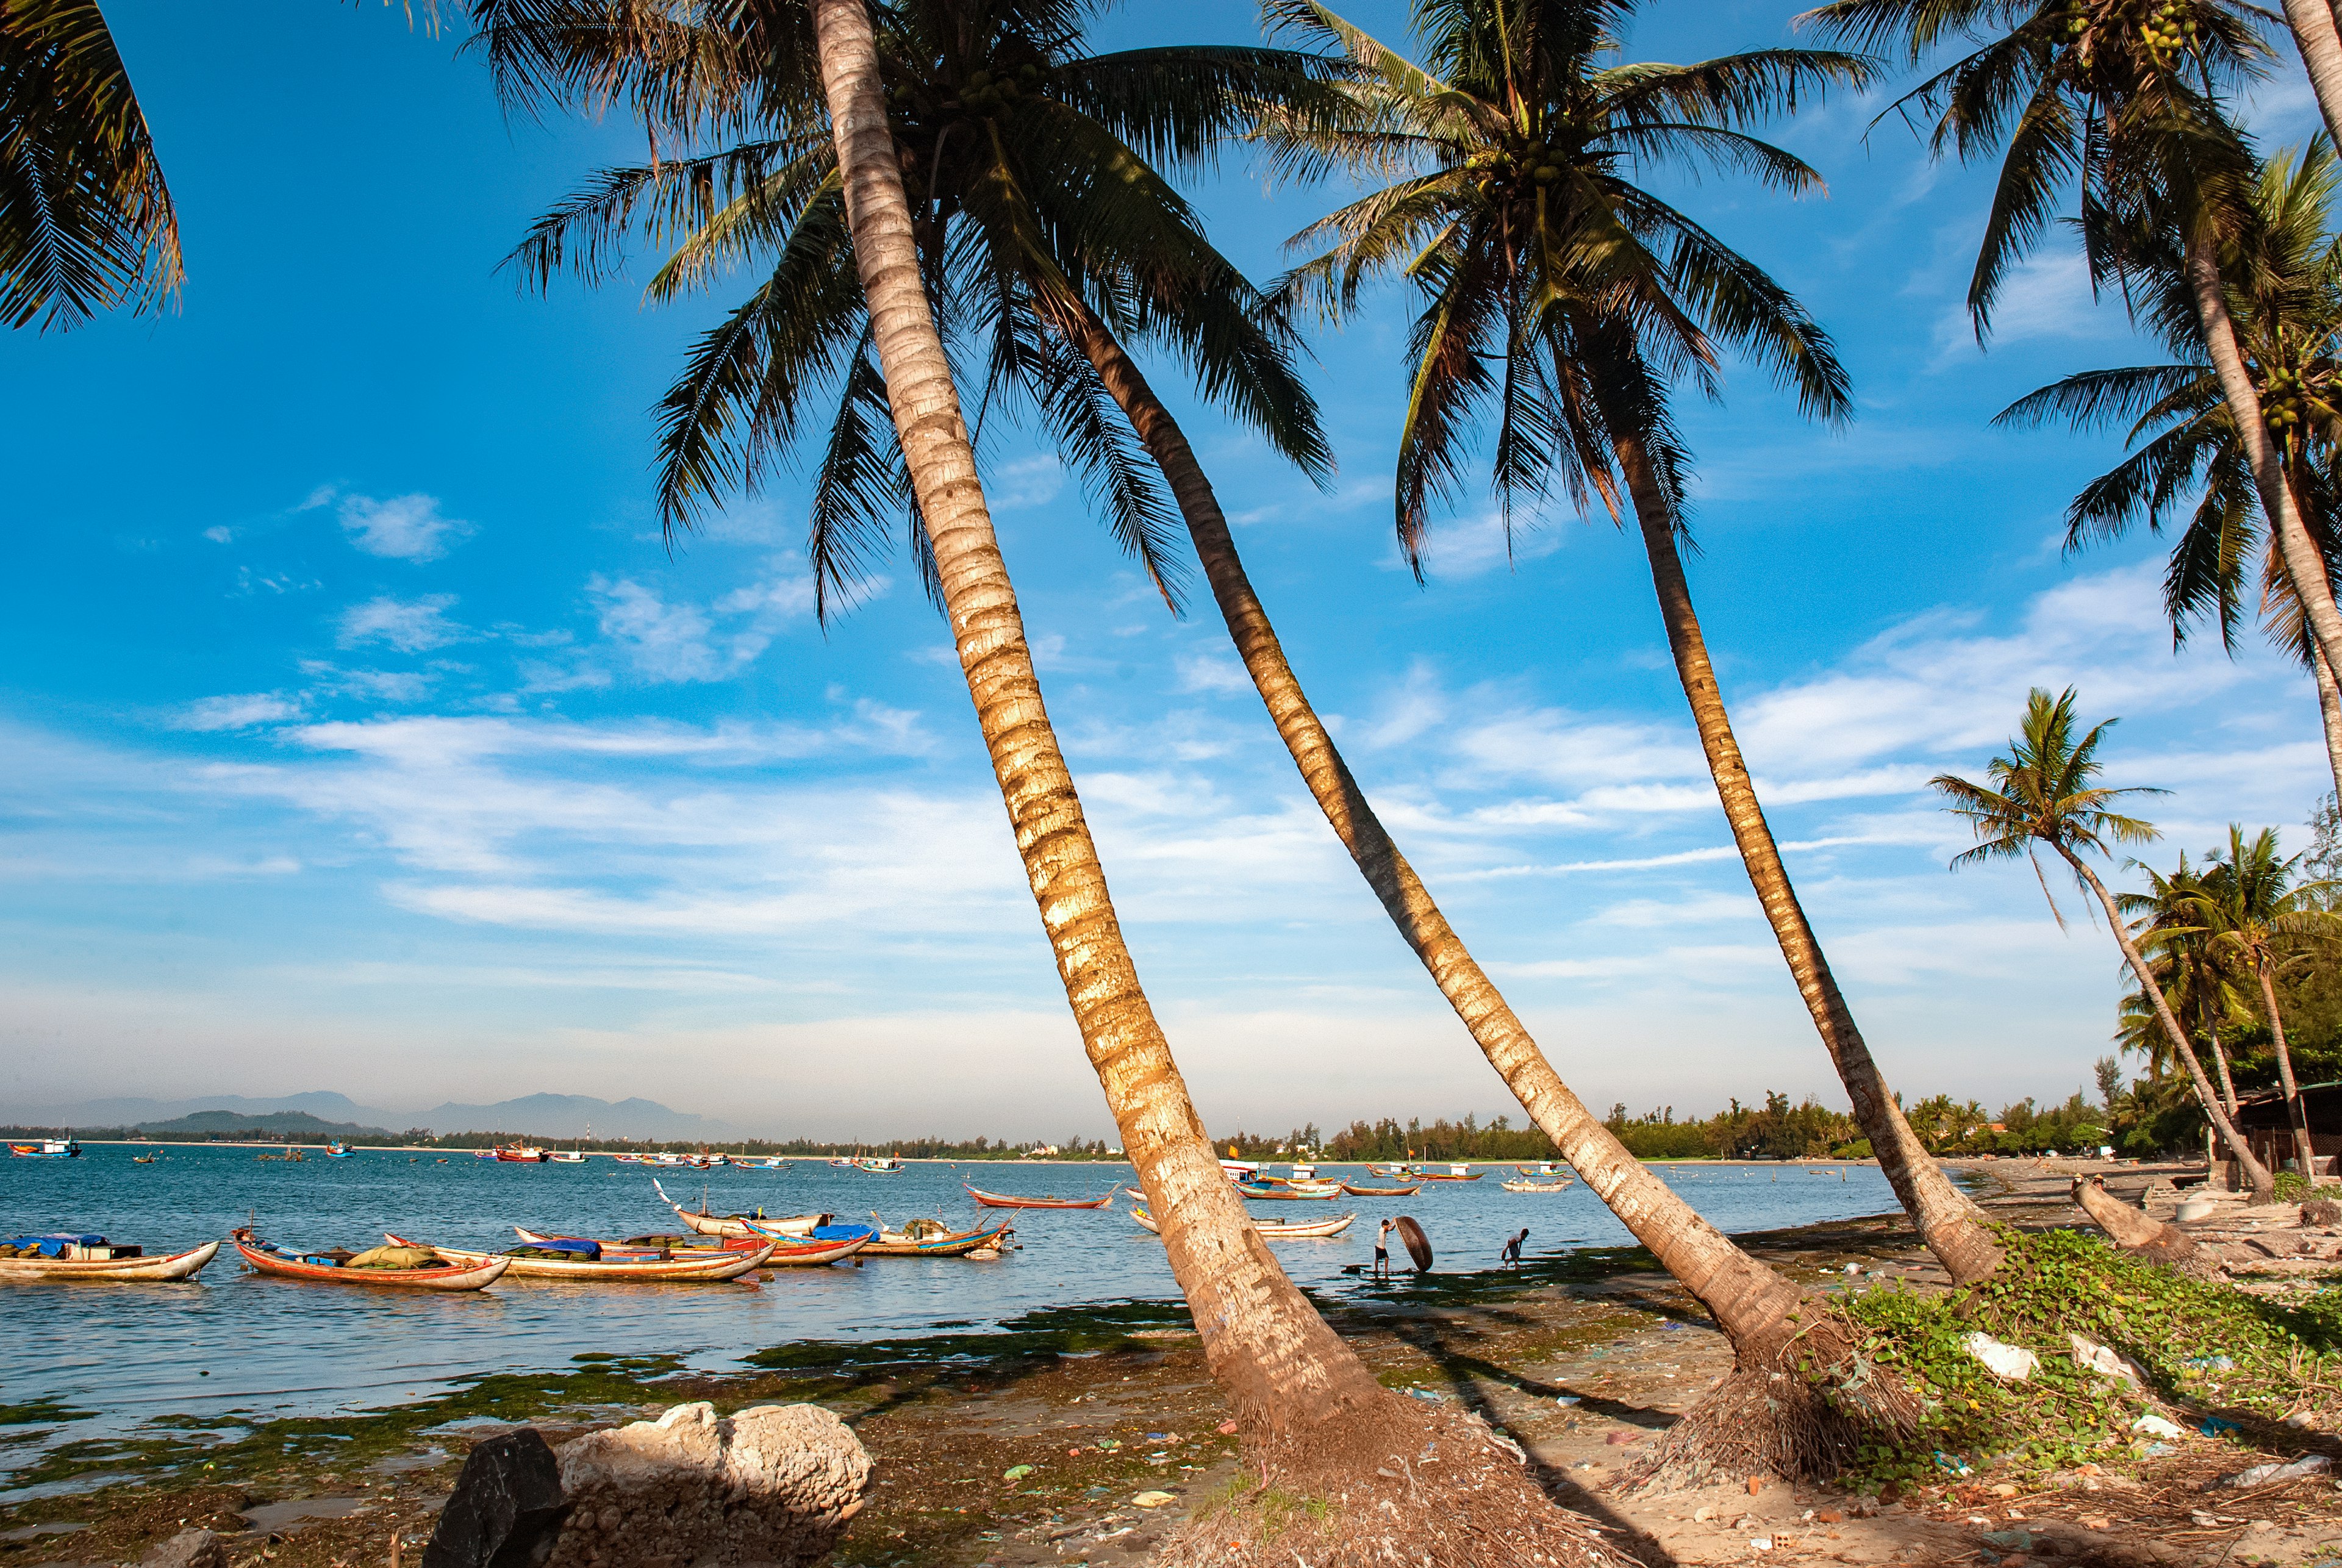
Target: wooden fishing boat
x=520 y=1154
x=1272 y=1230
x=119 y=1263
x=1453 y=1173
x=455 y=1276
x=46 y=1149
x=290 y=1156
x=1005 y=1201
x=338 y=1149
x=1562 y=1185
x=1290 y=1192
x=1543 y=1170
x=933 y=1239
x=1357 y=1191
x=755 y=1224
x=710 y=1266
x=827 y=1244
x=877 y=1167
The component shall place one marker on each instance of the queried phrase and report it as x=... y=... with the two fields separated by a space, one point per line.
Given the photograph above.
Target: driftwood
x=2139 y=1234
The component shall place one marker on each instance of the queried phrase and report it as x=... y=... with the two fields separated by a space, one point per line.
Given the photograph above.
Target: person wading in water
x=1382 y=1252
x=1511 y=1255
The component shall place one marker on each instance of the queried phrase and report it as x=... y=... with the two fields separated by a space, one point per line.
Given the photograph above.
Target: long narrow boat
x=134 y=1268
x=755 y=1224
x=1004 y=1201
x=939 y=1243
x=1289 y=1192
x=1357 y=1191
x=711 y=1265
x=787 y=1252
x=46 y=1149
x=267 y=1259
x=1452 y=1174
x=1563 y=1185
x=1272 y=1230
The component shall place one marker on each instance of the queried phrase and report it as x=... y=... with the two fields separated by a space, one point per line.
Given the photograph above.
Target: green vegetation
x=2208 y=1352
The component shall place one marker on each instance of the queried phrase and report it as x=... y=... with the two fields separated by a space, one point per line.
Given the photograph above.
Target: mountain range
x=536 y=1115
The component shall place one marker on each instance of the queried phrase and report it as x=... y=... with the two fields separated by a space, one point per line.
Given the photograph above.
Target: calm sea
x=274 y=1347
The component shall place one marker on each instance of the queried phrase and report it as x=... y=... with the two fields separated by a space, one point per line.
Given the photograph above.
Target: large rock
x=188 y=1549
x=506 y=1507
x=775 y=1484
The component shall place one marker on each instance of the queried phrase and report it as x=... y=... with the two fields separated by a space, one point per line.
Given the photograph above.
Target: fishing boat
x=337 y=1268
x=773 y=1163
x=290 y=1156
x=1270 y=1230
x=1290 y=1192
x=149 y=1157
x=1356 y=1191
x=1563 y=1185
x=1543 y=1170
x=1386 y=1172
x=46 y=1149
x=611 y=1263
x=630 y=1159
x=1459 y=1173
x=520 y=1154
x=338 y=1149
x=1236 y=1170
x=933 y=1239
x=878 y=1167
x=814 y=1243
x=755 y=1224
x=1006 y=1201
x=94 y=1258
x=565 y=1157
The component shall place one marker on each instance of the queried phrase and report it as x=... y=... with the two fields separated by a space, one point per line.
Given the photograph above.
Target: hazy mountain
x=536 y=1115
x=292 y=1123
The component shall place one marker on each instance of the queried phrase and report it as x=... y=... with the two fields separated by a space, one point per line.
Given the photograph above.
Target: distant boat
x=1294 y=1191
x=46 y=1149
x=1545 y=1169
x=291 y=1154
x=575 y=1156
x=1457 y=1172
x=1008 y=1201
x=1356 y=1191
x=878 y=1167
x=1563 y=1185
x=1271 y=1230
x=520 y=1154
x=338 y=1149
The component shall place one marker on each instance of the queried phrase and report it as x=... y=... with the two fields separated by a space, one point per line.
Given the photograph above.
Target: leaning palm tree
x=2044 y=795
x=2123 y=100
x=2182 y=437
x=85 y=220
x=1567 y=302
x=2252 y=908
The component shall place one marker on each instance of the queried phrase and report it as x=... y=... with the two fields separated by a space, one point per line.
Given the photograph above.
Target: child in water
x=1382 y=1252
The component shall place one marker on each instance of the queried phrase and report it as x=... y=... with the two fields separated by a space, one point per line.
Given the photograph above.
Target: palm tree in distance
x=2253 y=909
x=87 y=221
x=1290 y=1378
x=2192 y=971
x=2183 y=436
x=2123 y=100
x=2044 y=795
x=1567 y=302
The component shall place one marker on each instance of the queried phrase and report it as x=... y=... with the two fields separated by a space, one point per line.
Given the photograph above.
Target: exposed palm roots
x=1397 y=1488
x=1800 y=1413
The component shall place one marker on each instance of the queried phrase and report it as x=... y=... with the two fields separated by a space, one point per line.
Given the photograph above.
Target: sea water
x=230 y=1343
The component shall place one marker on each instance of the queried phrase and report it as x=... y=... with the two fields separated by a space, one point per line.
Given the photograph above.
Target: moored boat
x=878 y=1167
x=94 y=1260
x=933 y=1239
x=612 y=1262
x=1457 y=1172
x=1271 y=1230
x=338 y=1149
x=1356 y=1191
x=1008 y=1201
x=337 y=1269
x=1563 y=1185
x=755 y=1224
x=1290 y=1192
x=1543 y=1170
x=46 y=1149
x=521 y=1154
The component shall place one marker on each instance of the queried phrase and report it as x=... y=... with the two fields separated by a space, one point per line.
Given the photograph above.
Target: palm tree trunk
x=2220 y=1060
x=1284 y=1370
x=1752 y=1303
x=2299 y=552
x=2313 y=34
x=2263 y=1188
x=2329 y=712
x=2296 y=1112
x=1953 y=1230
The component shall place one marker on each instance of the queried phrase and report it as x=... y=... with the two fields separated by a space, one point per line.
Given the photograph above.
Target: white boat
x=1271 y=1230
x=1563 y=1185
x=102 y=1264
x=46 y=1149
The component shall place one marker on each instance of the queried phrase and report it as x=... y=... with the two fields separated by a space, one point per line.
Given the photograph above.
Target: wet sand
x=1582 y=1359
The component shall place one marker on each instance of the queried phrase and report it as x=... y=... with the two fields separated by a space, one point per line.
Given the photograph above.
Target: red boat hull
x=1004 y=1201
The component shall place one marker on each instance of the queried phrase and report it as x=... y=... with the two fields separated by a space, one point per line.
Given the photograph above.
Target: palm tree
x=2184 y=440
x=1568 y=302
x=2191 y=970
x=2251 y=906
x=2046 y=797
x=85 y=219
x=2121 y=98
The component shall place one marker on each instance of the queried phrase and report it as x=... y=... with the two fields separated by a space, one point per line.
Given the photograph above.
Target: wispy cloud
x=238 y=712
x=410 y=625
x=401 y=528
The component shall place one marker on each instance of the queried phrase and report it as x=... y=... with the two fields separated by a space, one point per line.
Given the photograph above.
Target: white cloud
x=1456 y=548
x=1215 y=672
x=1026 y=482
x=220 y=534
x=377 y=686
x=238 y=712
x=409 y=625
x=403 y=528
x=2046 y=296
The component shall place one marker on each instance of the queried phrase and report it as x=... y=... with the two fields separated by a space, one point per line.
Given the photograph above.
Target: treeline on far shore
x=315 y=1132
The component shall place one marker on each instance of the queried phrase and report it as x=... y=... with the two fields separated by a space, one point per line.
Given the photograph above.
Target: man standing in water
x=1382 y=1252
x=1511 y=1255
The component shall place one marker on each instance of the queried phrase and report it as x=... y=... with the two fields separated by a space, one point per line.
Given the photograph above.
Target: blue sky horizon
x=366 y=737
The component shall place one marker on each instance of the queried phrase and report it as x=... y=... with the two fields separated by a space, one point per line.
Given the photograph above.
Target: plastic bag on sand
x=2154 y=1425
x=2009 y=1360
x=2101 y=1359
x=2261 y=1474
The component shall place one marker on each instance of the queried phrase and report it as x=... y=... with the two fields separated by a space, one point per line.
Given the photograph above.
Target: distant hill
x=290 y=1123
x=534 y=1115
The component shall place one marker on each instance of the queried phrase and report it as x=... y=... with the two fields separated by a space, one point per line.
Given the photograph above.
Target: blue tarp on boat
x=54 y=1246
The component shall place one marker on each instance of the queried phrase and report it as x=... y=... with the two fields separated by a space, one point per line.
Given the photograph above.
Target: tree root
x=1394 y=1488
x=1799 y=1413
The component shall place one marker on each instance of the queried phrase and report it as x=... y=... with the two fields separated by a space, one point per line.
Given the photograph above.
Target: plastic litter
x=1952 y=1463
x=2012 y=1362
x=2214 y=1426
x=1760 y=1542
x=2101 y=1359
x=2009 y=1540
x=1016 y=1472
x=2311 y=1464
x=1567 y=1400
x=1426 y=1395
x=1152 y=1499
x=2211 y=1363
x=2152 y=1450
x=2154 y=1425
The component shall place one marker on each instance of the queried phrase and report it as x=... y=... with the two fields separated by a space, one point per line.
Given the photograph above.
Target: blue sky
x=362 y=735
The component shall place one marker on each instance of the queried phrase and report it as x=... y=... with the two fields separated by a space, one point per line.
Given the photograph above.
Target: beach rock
x=506 y=1508
x=188 y=1549
x=2321 y=1211
x=775 y=1484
